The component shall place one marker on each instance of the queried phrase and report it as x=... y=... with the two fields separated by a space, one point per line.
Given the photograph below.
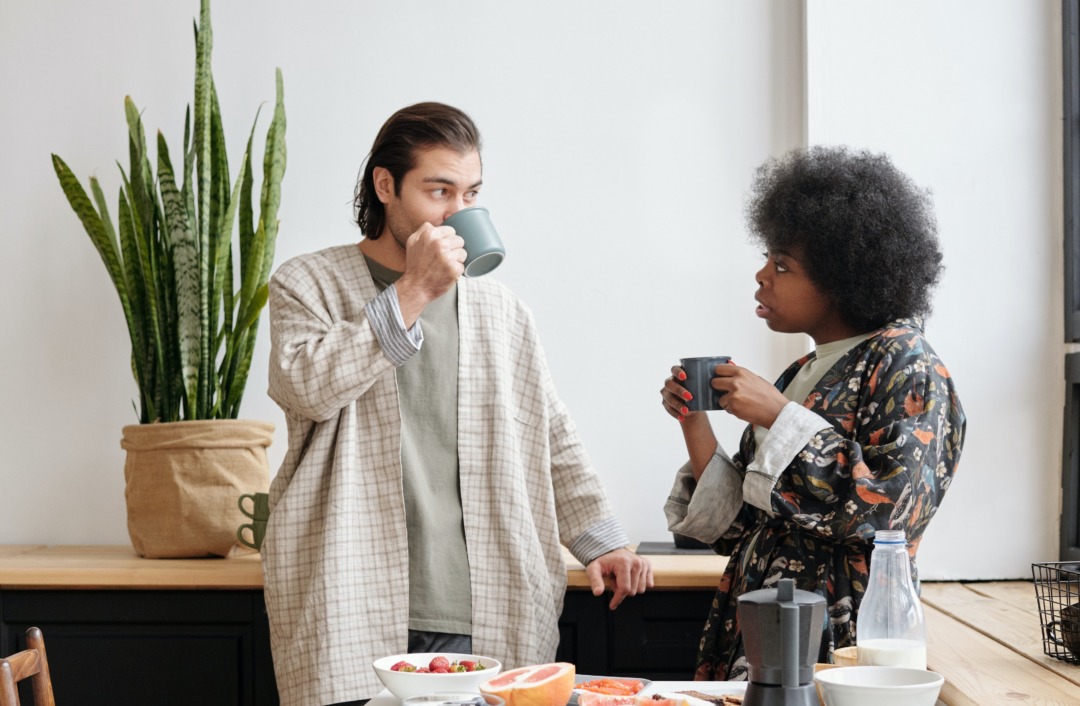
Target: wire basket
x=1057 y=588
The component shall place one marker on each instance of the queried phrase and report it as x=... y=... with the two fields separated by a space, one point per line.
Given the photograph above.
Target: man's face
x=442 y=182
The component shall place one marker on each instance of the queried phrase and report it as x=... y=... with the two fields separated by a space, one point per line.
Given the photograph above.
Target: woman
x=864 y=433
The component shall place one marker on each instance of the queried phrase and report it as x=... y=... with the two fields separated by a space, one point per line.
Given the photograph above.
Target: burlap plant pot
x=183 y=480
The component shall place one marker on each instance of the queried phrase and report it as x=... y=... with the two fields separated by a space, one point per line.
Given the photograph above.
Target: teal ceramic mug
x=484 y=250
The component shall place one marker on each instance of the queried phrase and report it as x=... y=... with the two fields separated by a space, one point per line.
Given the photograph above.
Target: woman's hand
x=749 y=397
x=675 y=396
x=697 y=432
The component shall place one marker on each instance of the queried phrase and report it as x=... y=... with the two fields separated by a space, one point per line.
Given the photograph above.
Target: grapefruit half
x=539 y=685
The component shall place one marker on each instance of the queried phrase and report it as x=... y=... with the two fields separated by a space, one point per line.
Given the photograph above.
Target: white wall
x=620 y=137
x=967 y=97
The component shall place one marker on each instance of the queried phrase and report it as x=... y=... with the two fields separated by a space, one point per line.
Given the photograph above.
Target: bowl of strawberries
x=422 y=673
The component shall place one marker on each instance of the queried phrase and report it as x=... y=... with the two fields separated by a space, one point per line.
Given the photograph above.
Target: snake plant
x=191 y=317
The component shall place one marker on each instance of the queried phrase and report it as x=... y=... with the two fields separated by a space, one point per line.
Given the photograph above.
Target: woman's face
x=790 y=302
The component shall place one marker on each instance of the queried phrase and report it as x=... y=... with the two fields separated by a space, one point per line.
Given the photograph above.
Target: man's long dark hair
x=414 y=128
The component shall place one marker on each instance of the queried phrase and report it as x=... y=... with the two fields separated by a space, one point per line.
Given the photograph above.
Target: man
x=432 y=471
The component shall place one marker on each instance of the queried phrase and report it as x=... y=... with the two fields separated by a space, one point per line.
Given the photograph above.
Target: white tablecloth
x=385 y=698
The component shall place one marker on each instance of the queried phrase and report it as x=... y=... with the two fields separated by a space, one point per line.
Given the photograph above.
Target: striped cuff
x=384 y=315
x=603 y=537
x=793 y=429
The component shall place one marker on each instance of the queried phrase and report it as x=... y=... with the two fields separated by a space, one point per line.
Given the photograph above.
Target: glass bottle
x=890 y=629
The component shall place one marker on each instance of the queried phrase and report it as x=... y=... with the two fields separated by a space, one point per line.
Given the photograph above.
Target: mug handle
x=240 y=504
x=1051 y=634
x=240 y=534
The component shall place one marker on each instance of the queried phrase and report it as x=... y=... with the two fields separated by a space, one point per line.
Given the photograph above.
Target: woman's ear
x=384 y=183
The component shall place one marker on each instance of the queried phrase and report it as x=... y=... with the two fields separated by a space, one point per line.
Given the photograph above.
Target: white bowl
x=880 y=686
x=405 y=685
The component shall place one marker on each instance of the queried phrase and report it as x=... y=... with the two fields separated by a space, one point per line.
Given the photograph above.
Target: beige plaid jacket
x=335 y=552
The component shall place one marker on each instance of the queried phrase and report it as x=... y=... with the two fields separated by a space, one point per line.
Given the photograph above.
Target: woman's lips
x=762 y=310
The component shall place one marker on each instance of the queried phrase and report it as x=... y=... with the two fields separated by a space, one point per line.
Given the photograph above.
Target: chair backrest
x=30 y=664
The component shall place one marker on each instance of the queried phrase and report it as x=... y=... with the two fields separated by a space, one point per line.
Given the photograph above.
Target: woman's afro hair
x=864 y=231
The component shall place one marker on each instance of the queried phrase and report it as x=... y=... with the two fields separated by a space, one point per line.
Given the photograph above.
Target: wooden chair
x=30 y=664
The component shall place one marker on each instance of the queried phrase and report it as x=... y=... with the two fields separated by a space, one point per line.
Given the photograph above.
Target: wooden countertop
x=119 y=567
x=984 y=637
x=986 y=640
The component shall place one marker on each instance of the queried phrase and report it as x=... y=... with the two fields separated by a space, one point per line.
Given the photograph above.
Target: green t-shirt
x=440 y=590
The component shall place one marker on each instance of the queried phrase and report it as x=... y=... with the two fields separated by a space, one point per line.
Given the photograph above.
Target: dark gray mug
x=699 y=375
x=484 y=250
x=1066 y=631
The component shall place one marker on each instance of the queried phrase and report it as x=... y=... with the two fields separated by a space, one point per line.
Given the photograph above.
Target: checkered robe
x=335 y=551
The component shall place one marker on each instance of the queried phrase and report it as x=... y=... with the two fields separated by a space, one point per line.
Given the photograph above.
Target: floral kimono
x=897 y=428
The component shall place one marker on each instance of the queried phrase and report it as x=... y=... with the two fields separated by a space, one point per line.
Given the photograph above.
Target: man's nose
x=454 y=206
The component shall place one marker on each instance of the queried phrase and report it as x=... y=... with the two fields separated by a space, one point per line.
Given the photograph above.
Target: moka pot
x=781 y=631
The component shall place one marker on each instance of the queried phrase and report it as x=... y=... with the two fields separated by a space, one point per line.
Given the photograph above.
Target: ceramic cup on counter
x=259 y=514
x=484 y=250
x=1065 y=631
x=699 y=375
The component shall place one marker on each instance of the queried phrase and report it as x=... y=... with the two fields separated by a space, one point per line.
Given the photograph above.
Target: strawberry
x=439 y=663
x=455 y=667
x=402 y=666
x=469 y=665
x=423 y=670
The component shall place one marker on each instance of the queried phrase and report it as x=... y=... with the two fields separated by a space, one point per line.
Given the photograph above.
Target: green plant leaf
x=273 y=173
x=185 y=265
x=246 y=225
x=141 y=178
x=140 y=348
x=221 y=217
x=247 y=329
x=99 y=228
x=171 y=257
x=145 y=272
x=202 y=146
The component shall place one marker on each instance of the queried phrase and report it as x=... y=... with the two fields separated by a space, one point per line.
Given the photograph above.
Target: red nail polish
x=682 y=376
x=687 y=396
x=682 y=418
x=684 y=410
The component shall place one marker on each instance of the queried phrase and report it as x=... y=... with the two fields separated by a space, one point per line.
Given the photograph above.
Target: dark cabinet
x=654 y=635
x=147 y=647
x=211 y=647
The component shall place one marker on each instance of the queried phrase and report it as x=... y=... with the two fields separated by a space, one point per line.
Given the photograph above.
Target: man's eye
x=780 y=266
x=439 y=193
x=471 y=195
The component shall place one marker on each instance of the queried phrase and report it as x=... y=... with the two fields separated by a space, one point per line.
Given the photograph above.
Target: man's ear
x=384 y=183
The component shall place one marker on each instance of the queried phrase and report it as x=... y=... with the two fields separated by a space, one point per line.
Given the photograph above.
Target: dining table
x=984 y=637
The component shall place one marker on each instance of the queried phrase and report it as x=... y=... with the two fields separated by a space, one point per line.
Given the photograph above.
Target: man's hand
x=631 y=573
x=433 y=263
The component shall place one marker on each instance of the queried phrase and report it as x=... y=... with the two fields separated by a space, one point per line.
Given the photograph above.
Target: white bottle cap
x=890 y=537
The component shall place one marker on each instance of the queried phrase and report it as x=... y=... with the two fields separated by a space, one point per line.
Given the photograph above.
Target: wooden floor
x=986 y=639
